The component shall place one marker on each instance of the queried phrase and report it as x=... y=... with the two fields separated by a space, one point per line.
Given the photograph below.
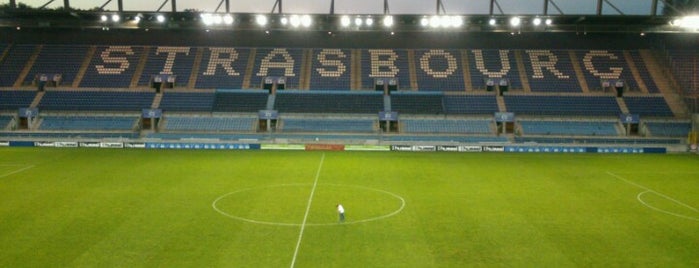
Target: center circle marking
x=229 y=215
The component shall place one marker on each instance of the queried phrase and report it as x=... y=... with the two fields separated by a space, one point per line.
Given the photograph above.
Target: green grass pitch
x=188 y=208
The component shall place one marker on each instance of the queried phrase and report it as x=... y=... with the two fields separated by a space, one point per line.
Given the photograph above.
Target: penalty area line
x=16 y=171
x=648 y=190
x=308 y=209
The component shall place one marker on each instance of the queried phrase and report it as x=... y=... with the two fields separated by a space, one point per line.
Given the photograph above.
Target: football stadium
x=501 y=136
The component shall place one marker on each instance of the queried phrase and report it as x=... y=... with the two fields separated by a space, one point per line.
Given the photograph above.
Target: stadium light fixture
x=104 y=18
x=228 y=19
x=515 y=21
x=688 y=22
x=435 y=21
x=536 y=21
x=492 y=22
x=137 y=18
x=284 y=20
x=457 y=21
x=218 y=19
x=306 y=21
x=160 y=18
x=369 y=21
x=549 y=22
x=207 y=19
x=388 y=21
x=295 y=20
x=358 y=21
x=345 y=21
x=116 y=18
x=424 y=22
x=261 y=20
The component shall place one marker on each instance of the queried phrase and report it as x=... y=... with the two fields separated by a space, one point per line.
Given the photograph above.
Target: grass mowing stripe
x=652 y=191
x=308 y=208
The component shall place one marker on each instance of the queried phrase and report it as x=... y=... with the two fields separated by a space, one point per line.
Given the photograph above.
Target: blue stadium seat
x=470 y=104
x=166 y=60
x=327 y=125
x=648 y=106
x=331 y=69
x=605 y=64
x=212 y=124
x=106 y=123
x=187 y=102
x=491 y=63
x=112 y=67
x=96 y=100
x=574 y=128
x=669 y=129
x=15 y=99
x=58 y=59
x=385 y=63
x=471 y=126
x=277 y=62
x=562 y=105
x=357 y=102
x=240 y=100
x=417 y=102
x=223 y=68
x=14 y=63
x=439 y=70
x=550 y=71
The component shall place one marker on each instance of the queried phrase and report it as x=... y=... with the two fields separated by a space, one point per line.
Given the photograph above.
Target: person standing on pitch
x=341 y=212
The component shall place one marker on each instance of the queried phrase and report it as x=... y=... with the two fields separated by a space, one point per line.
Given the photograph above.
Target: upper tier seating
x=277 y=62
x=386 y=63
x=550 y=71
x=490 y=63
x=605 y=64
x=14 y=99
x=176 y=61
x=669 y=129
x=643 y=71
x=648 y=106
x=222 y=67
x=112 y=67
x=357 y=102
x=327 y=125
x=187 y=102
x=5 y=120
x=96 y=100
x=447 y=126
x=575 y=128
x=563 y=105
x=439 y=70
x=470 y=104
x=417 y=103
x=106 y=123
x=180 y=123
x=13 y=64
x=240 y=100
x=684 y=66
x=331 y=69
x=58 y=59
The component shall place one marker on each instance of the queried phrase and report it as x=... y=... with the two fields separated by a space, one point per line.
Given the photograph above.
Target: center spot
x=285 y=204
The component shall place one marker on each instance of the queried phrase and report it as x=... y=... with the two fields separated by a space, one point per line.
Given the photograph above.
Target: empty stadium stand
x=14 y=63
x=470 y=104
x=669 y=129
x=328 y=125
x=14 y=99
x=187 y=101
x=648 y=106
x=177 y=61
x=240 y=100
x=112 y=67
x=572 y=128
x=417 y=103
x=550 y=71
x=489 y=63
x=277 y=62
x=331 y=69
x=563 y=105
x=79 y=122
x=96 y=100
x=453 y=126
x=58 y=59
x=378 y=63
x=358 y=102
x=439 y=70
x=209 y=124
x=223 y=67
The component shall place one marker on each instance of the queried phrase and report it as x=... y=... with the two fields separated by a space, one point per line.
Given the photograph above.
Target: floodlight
x=358 y=21
x=284 y=21
x=548 y=22
x=207 y=19
x=345 y=21
x=306 y=20
x=295 y=20
x=217 y=19
x=369 y=21
x=537 y=21
x=424 y=22
x=137 y=19
x=160 y=18
x=435 y=21
x=492 y=22
x=261 y=20
x=388 y=21
x=515 y=21
x=116 y=18
x=689 y=22
x=228 y=19
x=457 y=21
x=103 y=18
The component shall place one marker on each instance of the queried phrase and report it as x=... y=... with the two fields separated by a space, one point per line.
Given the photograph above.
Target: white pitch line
x=653 y=191
x=308 y=209
x=16 y=171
